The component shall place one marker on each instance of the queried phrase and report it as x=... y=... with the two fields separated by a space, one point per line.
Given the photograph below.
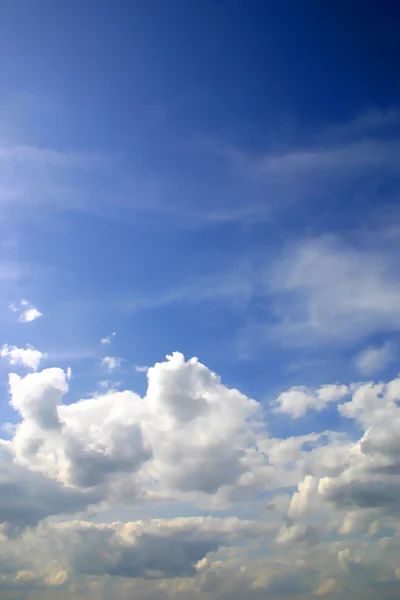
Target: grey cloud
x=365 y=494
x=91 y=467
x=26 y=498
x=150 y=550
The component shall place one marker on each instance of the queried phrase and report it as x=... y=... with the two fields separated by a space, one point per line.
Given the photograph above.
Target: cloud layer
x=321 y=503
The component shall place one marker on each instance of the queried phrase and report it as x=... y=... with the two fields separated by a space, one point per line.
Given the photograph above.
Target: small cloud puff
x=107 y=340
x=111 y=362
x=27 y=312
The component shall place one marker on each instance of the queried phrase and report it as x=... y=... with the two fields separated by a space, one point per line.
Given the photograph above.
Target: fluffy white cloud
x=298 y=400
x=37 y=396
x=374 y=359
x=189 y=435
x=27 y=312
x=28 y=357
x=192 y=444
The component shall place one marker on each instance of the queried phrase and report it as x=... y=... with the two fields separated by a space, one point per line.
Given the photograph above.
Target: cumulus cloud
x=27 y=497
x=26 y=311
x=37 y=396
x=298 y=400
x=151 y=550
x=193 y=444
x=190 y=433
x=108 y=339
x=375 y=359
x=28 y=357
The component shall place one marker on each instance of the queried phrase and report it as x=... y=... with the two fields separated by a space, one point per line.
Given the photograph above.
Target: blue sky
x=217 y=178
x=163 y=119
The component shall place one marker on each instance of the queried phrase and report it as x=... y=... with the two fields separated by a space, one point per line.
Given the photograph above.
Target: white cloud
x=141 y=368
x=37 y=396
x=28 y=357
x=27 y=312
x=298 y=400
x=193 y=444
x=111 y=362
x=175 y=434
x=108 y=338
x=375 y=359
x=30 y=314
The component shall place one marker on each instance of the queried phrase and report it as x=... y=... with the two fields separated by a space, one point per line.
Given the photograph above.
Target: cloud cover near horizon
x=323 y=505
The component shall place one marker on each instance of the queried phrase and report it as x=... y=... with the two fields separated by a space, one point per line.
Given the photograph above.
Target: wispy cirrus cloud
x=325 y=289
x=375 y=358
x=236 y=286
x=240 y=185
x=108 y=339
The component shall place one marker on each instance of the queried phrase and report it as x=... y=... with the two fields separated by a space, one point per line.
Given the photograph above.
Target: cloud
x=27 y=312
x=298 y=400
x=236 y=286
x=81 y=444
x=367 y=123
x=175 y=433
x=240 y=186
x=326 y=587
x=37 y=396
x=342 y=159
x=324 y=290
x=27 y=497
x=47 y=176
x=111 y=362
x=375 y=359
x=141 y=368
x=367 y=475
x=192 y=445
x=151 y=550
x=109 y=384
x=108 y=339
x=28 y=357
x=30 y=314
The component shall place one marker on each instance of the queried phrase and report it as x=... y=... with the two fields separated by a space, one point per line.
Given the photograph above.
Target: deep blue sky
x=162 y=158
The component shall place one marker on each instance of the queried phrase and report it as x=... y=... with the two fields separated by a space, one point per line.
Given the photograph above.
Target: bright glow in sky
x=199 y=300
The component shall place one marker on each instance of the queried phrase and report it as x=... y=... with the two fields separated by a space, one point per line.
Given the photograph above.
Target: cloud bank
x=309 y=514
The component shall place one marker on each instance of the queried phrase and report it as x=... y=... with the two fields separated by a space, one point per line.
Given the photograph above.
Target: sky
x=199 y=300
